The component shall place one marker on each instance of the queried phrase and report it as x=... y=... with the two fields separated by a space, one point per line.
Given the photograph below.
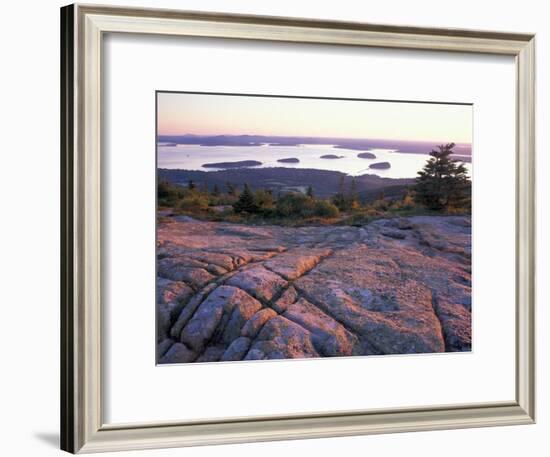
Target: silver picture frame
x=82 y=426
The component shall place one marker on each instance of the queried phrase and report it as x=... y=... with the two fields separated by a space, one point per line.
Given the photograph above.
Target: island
x=366 y=155
x=331 y=156
x=289 y=160
x=238 y=164
x=380 y=166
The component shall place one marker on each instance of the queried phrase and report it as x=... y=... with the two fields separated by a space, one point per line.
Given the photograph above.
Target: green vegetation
x=347 y=200
x=442 y=187
x=245 y=205
x=246 y=202
x=443 y=183
x=168 y=194
x=298 y=205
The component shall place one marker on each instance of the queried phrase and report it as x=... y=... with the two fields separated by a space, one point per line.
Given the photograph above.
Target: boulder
x=178 y=353
x=282 y=339
x=258 y=282
x=243 y=310
x=211 y=354
x=237 y=349
x=163 y=346
x=172 y=291
x=215 y=258
x=288 y=297
x=189 y=309
x=221 y=302
x=456 y=322
x=395 y=316
x=329 y=337
x=256 y=322
x=294 y=263
x=164 y=319
x=173 y=269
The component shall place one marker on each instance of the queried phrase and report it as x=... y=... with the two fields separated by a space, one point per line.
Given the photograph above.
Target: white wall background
x=29 y=229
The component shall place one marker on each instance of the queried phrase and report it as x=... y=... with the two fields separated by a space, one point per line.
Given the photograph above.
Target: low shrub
x=298 y=205
x=323 y=208
x=196 y=202
x=294 y=204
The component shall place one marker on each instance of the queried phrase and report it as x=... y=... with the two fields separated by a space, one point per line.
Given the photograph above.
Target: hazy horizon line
x=188 y=134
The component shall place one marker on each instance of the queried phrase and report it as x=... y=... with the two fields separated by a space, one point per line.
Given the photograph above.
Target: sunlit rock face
x=229 y=292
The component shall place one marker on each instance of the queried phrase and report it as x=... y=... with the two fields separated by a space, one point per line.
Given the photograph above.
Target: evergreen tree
x=191 y=185
x=309 y=191
x=231 y=189
x=216 y=191
x=443 y=182
x=339 y=199
x=246 y=202
x=353 y=195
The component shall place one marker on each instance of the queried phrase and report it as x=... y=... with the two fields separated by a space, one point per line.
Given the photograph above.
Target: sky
x=206 y=114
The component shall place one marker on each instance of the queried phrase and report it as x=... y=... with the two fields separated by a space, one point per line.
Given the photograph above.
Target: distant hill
x=359 y=144
x=325 y=183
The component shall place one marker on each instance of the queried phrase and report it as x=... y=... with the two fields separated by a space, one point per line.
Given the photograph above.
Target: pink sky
x=205 y=114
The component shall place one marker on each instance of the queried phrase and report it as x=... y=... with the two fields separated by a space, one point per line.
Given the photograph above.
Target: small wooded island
x=366 y=155
x=289 y=160
x=380 y=166
x=238 y=164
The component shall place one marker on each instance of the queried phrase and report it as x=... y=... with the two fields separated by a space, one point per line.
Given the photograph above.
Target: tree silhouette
x=191 y=185
x=231 y=189
x=309 y=191
x=353 y=194
x=346 y=200
x=339 y=198
x=246 y=202
x=443 y=182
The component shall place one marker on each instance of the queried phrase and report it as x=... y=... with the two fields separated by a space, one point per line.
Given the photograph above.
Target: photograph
x=275 y=226
x=301 y=227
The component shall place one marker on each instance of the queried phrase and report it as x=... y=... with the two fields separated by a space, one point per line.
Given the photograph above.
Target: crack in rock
x=396 y=286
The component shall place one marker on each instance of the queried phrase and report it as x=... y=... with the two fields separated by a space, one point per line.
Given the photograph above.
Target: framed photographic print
x=294 y=224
